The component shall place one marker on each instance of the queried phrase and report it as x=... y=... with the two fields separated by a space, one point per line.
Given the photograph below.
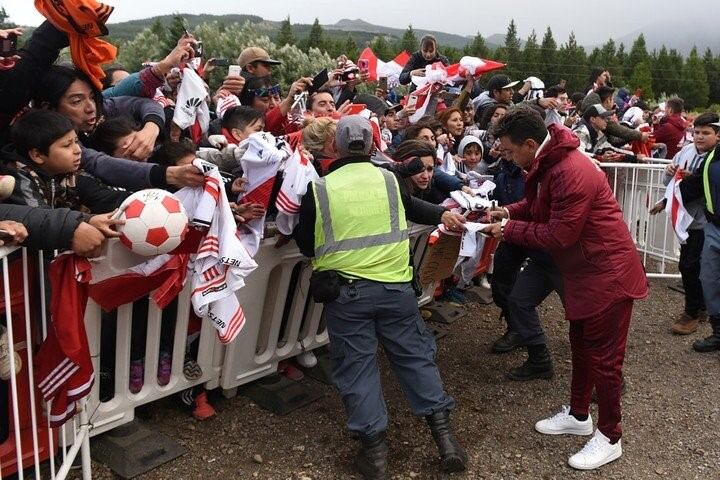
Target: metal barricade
x=637 y=187
x=28 y=445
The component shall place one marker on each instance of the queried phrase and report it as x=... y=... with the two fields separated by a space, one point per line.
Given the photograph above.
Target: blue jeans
x=367 y=313
x=710 y=271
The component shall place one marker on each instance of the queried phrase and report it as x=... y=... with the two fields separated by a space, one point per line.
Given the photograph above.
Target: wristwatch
x=502 y=227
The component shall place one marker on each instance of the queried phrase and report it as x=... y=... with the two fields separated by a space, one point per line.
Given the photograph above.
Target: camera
x=8 y=46
x=198 y=48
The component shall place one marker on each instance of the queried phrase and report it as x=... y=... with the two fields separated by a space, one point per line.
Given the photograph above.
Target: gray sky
x=592 y=24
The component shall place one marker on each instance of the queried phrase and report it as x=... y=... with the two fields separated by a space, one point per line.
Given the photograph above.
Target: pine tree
x=350 y=48
x=665 y=74
x=638 y=54
x=713 y=73
x=174 y=32
x=409 y=41
x=608 y=59
x=477 y=48
x=548 y=67
x=286 y=35
x=453 y=54
x=381 y=48
x=4 y=18
x=695 y=89
x=316 y=38
x=678 y=64
x=510 y=51
x=642 y=78
x=532 y=58
x=573 y=64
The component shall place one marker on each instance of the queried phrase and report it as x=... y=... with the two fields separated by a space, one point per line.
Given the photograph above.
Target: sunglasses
x=267 y=91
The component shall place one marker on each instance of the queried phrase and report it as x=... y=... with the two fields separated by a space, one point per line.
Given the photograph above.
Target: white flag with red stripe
x=420 y=98
x=378 y=68
x=260 y=165
x=299 y=171
x=457 y=72
x=675 y=208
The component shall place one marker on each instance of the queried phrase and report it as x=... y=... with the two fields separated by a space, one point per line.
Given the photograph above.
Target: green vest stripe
x=706 y=183
x=332 y=246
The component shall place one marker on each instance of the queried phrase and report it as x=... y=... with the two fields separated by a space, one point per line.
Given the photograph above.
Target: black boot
x=538 y=365
x=452 y=456
x=371 y=460
x=507 y=343
x=711 y=343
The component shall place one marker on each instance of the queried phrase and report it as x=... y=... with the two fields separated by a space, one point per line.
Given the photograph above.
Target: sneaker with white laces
x=306 y=359
x=597 y=452
x=564 y=423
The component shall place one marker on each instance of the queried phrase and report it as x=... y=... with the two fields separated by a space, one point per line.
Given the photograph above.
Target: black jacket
x=47 y=229
x=36 y=189
x=18 y=83
x=416 y=61
x=416 y=210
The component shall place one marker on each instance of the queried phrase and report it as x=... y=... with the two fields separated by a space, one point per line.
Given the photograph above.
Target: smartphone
x=234 y=70
x=349 y=74
x=318 y=81
x=221 y=62
x=412 y=101
x=198 y=47
x=383 y=84
x=364 y=65
x=8 y=46
x=6 y=236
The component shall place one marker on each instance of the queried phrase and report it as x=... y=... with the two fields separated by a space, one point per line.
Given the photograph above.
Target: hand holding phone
x=234 y=70
x=221 y=62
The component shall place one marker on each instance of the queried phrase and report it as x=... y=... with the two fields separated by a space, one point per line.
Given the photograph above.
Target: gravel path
x=671 y=412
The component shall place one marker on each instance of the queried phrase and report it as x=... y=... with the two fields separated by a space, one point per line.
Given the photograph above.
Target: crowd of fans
x=74 y=148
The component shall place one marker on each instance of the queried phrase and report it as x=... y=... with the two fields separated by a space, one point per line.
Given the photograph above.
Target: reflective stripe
x=331 y=245
x=706 y=183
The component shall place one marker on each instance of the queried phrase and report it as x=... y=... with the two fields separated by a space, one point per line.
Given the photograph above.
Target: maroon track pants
x=598 y=350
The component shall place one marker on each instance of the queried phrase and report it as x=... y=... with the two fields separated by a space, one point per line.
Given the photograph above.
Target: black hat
x=500 y=81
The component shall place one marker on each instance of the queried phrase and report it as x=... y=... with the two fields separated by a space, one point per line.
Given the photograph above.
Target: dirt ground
x=671 y=414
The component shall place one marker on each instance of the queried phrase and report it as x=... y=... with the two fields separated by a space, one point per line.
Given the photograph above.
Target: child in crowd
x=471 y=152
x=46 y=162
x=688 y=161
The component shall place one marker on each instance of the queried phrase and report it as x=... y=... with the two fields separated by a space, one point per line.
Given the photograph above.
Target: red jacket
x=570 y=211
x=671 y=132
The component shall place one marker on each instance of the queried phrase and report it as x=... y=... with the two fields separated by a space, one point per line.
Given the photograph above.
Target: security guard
x=353 y=222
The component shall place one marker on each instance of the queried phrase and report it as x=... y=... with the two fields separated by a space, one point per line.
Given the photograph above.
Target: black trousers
x=689 y=266
x=532 y=285
x=506 y=266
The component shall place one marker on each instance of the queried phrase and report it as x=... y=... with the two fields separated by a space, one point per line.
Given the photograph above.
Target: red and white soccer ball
x=155 y=222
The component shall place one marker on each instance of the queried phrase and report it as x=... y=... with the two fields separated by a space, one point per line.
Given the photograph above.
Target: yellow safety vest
x=360 y=225
x=706 y=183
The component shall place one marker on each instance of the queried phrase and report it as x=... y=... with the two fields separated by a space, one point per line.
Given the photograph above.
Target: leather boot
x=538 y=365
x=452 y=456
x=507 y=343
x=712 y=342
x=685 y=324
x=371 y=460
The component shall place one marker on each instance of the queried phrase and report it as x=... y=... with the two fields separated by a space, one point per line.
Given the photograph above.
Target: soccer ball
x=155 y=222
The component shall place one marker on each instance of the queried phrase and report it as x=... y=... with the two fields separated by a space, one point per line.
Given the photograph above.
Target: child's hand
x=657 y=208
x=105 y=223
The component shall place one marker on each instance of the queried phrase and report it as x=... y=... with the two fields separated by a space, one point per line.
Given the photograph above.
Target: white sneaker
x=307 y=359
x=597 y=452
x=564 y=423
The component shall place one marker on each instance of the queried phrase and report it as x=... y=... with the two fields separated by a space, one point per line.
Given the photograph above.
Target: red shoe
x=203 y=410
x=290 y=371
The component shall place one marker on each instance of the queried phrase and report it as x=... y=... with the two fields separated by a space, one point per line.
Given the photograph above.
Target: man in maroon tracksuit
x=569 y=211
